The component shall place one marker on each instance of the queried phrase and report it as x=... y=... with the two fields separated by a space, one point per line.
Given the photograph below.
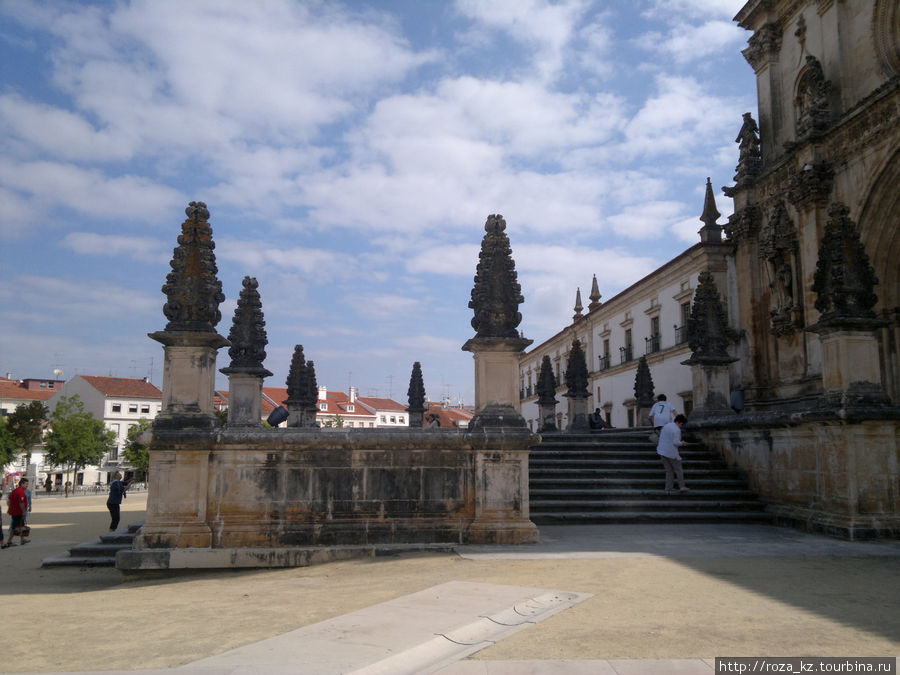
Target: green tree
x=26 y=423
x=136 y=453
x=7 y=444
x=337 y=422
x=76 y=437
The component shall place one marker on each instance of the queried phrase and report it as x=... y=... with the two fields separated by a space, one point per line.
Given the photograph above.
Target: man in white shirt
x=667 y=449
x=661 y=413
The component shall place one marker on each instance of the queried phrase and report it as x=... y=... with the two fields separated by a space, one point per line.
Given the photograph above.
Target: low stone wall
x=273 y=489
x=817 y=471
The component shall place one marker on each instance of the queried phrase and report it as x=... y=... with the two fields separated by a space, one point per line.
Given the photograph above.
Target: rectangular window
x=383 y=419
x=117 y=407
x=371 y=424
x=393 y=419
x=323 y=406
x=145 y=409
x=351 y=407
x=685 y=313
x=402 y=419
x=132 y=407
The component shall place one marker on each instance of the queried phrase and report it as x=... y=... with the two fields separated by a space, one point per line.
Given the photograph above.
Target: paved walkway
x=597 y=599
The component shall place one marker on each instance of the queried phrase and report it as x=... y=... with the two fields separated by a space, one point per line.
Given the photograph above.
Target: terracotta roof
x=13 y=390
x=448 y=417
x=381 y=403
x=129 y=387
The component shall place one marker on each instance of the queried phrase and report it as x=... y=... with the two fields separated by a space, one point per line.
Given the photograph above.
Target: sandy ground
x=66 y=619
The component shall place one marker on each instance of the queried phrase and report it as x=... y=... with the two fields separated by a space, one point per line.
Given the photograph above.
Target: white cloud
x=53 y=299
x=89 y=191
x=317 y=265
x=647 y=220
x=686 y=43
x=721 y=9
x=59 y=132
x=382 y=306
x=136 y=248
x=545 y=27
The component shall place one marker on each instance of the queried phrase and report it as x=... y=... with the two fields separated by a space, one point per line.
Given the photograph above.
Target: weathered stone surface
x=546 y=391
x=293 y=487
x=496 y=294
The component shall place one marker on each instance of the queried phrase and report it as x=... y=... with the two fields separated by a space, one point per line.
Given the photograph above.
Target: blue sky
x=349 y=154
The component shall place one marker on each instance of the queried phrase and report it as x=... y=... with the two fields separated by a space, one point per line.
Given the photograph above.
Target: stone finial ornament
x=844 y=280
x=643 y=384
x=576 y=372
x=579 y=308
x=297 y=379
x=416 y=391
x=711 y=230
x=708 y=333
x=310 y=393
x=192 y=290
x=594 y=297
x=248 y=333
x=546 y=383
x=496 y=294
x=750 y=159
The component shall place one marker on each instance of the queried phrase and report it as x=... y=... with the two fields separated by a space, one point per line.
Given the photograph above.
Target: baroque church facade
x=805 y=401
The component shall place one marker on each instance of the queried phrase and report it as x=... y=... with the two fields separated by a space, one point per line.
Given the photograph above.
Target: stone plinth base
x=273 y=489
x=237 y=558
x=818 y=470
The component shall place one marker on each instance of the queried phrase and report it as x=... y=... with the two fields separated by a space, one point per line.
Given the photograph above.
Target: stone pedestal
x=245 y=395
x=496 y=378
x=711 y=388
x=189 y=375
x=851 y=374
x=547 y=412
x=416 y=419
x=578 y=413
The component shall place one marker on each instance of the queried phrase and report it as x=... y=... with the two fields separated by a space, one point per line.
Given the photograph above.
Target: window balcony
x=626 y=353
x=680 y=334
x=651 y=344
x=604 y=362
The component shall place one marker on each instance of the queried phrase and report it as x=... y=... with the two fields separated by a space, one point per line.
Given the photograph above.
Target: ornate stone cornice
x=810 y=185
x=743 y=224
x=763 y=46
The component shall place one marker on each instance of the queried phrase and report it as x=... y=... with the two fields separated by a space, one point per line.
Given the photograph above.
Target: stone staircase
x=100 y=553
x=615 y=476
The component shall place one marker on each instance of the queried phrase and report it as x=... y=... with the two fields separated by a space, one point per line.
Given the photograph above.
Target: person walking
x=117 y=492
x=667 y=449
x=18 y=508
x=27 y=511
x=661 y=413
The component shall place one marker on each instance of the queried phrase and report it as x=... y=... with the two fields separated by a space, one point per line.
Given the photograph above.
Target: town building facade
x=121 y=403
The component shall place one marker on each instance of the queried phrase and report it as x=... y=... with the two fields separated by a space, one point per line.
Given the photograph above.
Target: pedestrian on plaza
x=667 y=449
x=661 y=413
x=117 y=492
x=18 y=508
x=27 y=511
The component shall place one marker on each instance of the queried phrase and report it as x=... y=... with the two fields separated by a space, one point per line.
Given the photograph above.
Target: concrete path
x=638 y=599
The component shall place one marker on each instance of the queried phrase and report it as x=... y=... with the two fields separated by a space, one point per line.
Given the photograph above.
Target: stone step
x=635 y=517
x=551 y=495
x=100 y=553
x=538 y=465
x=614 y=451
x=575 y=483
x=680 y=502
x=637 y=473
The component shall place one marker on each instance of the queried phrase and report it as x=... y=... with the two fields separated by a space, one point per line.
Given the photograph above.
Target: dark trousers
x=114 y=514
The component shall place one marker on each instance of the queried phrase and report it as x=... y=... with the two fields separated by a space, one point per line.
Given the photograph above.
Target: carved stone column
x=497 y=344
x=844 y=283
x=709 y=362
x=643 y=393
x=247 y=352
x=546 y=391
x=416 y=396
x=577 y=393
x=190 y=339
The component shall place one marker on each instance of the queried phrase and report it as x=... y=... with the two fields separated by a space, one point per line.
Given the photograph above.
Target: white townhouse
x=121 y=402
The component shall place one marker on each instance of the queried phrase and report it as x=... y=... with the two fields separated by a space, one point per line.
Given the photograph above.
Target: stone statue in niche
x=750 y=158
x=777 y=247
x=813 y=110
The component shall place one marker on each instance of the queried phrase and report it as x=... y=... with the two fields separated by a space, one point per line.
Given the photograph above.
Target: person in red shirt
x=18 y=508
